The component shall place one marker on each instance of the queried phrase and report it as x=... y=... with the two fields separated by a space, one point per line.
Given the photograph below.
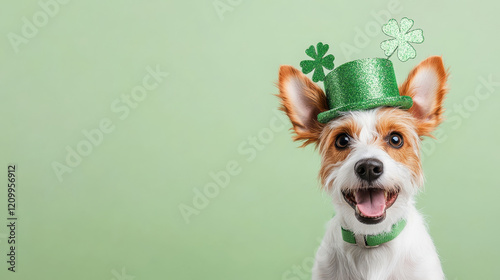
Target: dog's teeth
x=357 y=210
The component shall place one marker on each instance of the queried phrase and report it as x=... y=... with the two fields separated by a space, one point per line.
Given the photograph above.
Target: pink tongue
x=371 y=202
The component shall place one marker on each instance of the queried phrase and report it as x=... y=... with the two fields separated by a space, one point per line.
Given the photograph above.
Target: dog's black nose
x=369 y=169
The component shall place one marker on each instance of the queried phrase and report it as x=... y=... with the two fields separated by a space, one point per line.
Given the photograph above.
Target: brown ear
x=302 y=100
x=426 y=85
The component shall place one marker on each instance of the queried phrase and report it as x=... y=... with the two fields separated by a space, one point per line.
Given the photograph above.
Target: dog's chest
x=376 y=263
x=389 y=262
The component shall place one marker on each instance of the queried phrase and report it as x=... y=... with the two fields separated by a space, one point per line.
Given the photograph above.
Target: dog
x=371 y=167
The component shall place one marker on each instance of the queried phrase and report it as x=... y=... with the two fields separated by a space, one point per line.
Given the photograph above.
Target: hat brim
x=403 y=102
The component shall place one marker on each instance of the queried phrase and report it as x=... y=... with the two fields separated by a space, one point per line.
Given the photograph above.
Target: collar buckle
x=361 y=241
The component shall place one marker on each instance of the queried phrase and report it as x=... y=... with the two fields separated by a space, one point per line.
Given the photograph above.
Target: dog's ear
x=426 y=85
x=302 y=100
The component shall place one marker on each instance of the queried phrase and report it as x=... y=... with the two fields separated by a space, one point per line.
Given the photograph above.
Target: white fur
x=411 y=255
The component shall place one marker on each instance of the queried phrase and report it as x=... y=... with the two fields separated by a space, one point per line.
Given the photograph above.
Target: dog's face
x=370 y=159
x=371 y=164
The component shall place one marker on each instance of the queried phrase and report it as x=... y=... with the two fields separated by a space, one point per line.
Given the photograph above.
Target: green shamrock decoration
x=318 y=63
x=402 y=39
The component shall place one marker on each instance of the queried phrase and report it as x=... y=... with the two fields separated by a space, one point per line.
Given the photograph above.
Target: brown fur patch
x=307 y=128
x=395 y=120
x=428 y=122
x=331 y=155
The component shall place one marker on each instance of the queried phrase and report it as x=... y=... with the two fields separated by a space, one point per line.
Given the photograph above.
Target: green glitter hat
x=364 y=83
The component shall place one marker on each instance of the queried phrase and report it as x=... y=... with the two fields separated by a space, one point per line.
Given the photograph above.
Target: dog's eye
x=342 y=141
x=396 y=140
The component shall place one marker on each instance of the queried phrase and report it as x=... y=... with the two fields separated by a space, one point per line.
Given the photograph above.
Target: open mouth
x=370 y=203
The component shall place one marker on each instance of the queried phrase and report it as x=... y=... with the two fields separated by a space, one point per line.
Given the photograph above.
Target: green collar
x=371 y=241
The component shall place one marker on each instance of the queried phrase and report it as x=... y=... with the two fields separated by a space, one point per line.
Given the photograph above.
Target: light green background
x=117 y=213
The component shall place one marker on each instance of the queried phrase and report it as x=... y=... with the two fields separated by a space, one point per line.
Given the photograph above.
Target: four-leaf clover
x=318 y=63
x=402 y=39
